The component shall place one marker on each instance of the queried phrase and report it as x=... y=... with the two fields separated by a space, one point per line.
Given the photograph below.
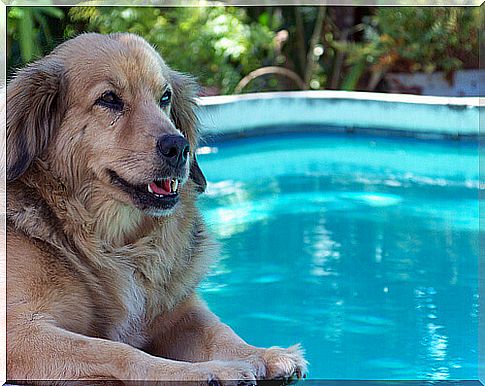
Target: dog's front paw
x=280 y=363
x=221 y=373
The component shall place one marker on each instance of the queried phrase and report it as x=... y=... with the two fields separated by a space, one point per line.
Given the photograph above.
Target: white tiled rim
x=410 y=115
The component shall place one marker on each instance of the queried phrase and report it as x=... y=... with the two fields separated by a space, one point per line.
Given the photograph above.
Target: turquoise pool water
x=364 y=249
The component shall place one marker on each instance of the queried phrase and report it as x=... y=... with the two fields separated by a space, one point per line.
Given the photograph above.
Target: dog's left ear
x=34 y=111
x=197 y=176
x=183 y=115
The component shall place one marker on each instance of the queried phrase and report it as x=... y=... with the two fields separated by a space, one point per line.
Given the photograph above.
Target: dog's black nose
x=174 y=149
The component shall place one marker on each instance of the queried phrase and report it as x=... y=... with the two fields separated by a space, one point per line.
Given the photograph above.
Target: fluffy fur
x=99 y=286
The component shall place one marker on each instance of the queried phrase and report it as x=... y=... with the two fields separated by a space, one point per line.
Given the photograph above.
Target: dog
x=105 y=245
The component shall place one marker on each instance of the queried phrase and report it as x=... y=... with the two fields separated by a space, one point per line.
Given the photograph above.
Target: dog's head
x=107 y=109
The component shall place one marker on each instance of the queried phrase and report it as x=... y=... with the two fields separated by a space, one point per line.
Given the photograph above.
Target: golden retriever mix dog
x=105 y=246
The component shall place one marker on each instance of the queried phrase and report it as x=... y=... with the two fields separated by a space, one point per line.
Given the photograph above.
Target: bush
x=221 y=45
x=428 y=39
x=32 y=32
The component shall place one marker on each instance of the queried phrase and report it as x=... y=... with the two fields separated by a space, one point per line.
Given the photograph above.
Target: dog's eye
x=110 y=100
x=165 y=99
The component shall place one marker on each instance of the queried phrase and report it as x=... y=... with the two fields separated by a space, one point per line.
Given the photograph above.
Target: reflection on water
x=324 y=251
x=373 y=269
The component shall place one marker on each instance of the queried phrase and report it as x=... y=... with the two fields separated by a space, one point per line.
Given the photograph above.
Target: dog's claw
x=246 y=383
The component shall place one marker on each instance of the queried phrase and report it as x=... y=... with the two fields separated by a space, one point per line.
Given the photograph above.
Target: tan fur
x=98 y=288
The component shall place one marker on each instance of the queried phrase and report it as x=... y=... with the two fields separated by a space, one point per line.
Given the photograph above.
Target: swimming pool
x=362 y=248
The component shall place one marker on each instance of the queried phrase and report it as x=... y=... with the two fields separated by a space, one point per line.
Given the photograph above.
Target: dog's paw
x=280 y=363
x=222 y=373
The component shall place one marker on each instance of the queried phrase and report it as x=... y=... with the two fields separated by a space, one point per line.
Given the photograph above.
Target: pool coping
x=378 y=113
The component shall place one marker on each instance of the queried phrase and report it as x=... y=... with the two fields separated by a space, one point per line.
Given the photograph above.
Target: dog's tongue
x=164 y=189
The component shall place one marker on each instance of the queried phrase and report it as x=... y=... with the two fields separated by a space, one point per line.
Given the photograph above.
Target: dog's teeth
x=150 y=189
x=174 y=185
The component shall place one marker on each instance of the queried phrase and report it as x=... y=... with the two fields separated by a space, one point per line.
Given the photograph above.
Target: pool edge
x=402 y=114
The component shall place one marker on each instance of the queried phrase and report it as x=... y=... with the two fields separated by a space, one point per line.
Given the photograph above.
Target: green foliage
x=219 y=45
x=410 y=39
x=29 y=31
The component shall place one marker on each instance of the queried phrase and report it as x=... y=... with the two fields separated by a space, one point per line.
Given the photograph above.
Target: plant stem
x=317 y=32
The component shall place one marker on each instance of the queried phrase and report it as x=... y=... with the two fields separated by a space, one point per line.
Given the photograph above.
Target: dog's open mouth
x=160 y=194
x=163 y=187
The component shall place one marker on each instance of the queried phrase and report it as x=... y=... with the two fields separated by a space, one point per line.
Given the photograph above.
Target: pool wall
x=415 y=115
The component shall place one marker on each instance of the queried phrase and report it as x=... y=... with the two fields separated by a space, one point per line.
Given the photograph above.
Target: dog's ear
x=182 y=111
x=197 y=176
x=183 y=115
x=34 y=111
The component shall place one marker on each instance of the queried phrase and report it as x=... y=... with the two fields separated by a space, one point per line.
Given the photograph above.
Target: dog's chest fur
x=131 y=329
x=152 y=281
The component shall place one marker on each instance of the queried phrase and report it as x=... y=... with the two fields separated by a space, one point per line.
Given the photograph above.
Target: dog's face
x=106 y=108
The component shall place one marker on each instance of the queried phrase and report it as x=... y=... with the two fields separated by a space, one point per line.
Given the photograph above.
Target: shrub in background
x=32 y=32
x=349 y=48
x=417 y=39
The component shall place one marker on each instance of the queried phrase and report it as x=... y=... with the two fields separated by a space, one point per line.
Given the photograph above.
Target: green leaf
x=351 y=80
x=27 y=36
x=54 y=12
x=264 y=19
